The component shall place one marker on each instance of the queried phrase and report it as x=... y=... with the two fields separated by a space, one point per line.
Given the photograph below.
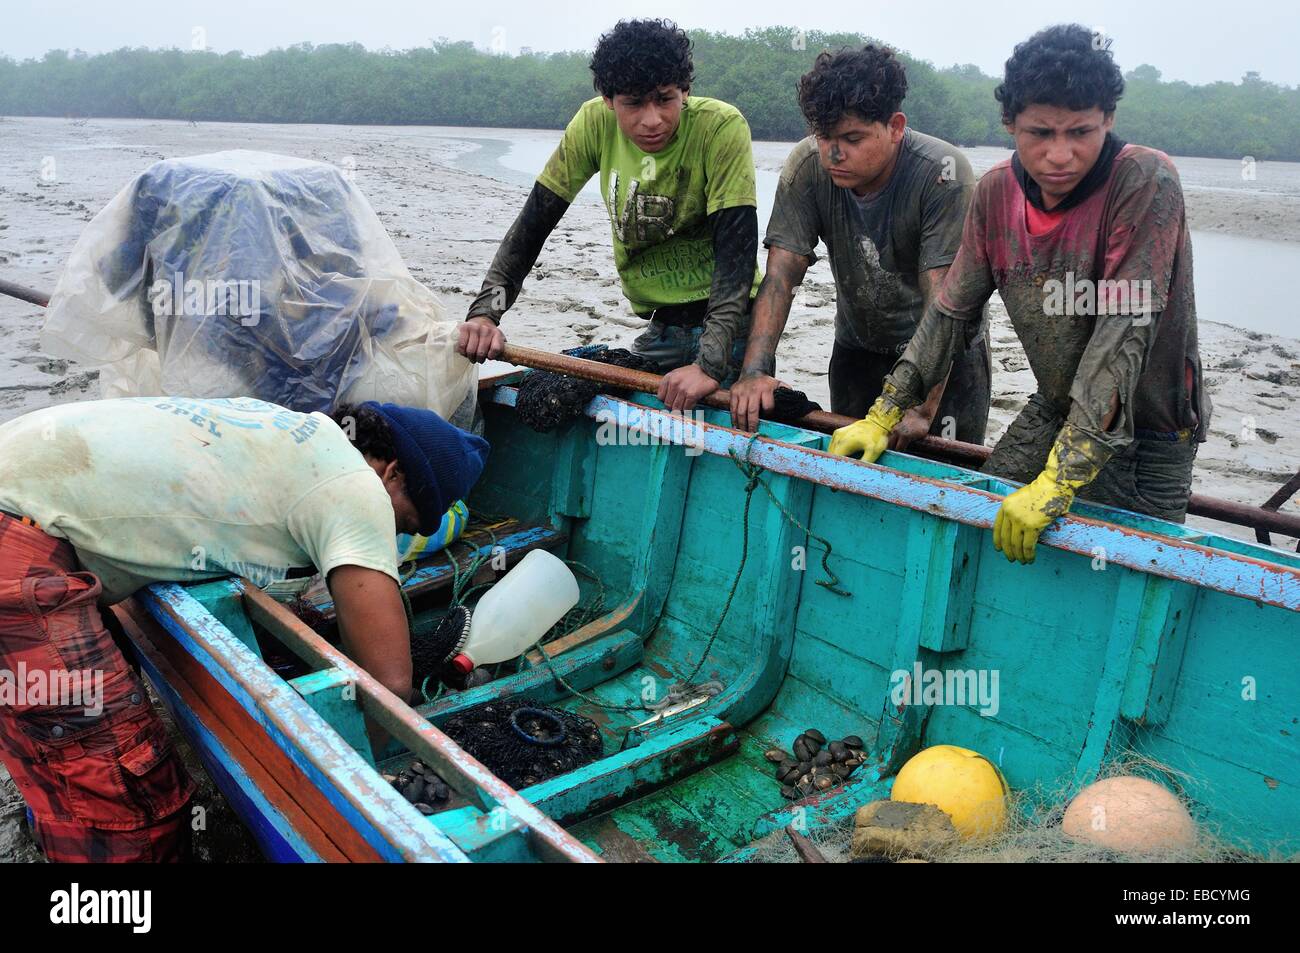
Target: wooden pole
x=967 y=453
x=951 y=451
x=24 y=294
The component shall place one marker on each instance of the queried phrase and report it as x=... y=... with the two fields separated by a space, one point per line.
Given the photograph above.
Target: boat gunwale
x=289 y=721
x=1274 y=583
x=297 y=834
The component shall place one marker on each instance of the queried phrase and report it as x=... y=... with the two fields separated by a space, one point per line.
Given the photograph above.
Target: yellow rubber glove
x=869 y=436
x=1025 y=513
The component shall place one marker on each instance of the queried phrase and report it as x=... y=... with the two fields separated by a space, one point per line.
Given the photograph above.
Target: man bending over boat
x=677 y=177
x=889 y=203
x=99 y=499
x=1086 y=239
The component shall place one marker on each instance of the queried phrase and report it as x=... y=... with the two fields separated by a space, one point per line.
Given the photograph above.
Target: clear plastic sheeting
x=246 y=274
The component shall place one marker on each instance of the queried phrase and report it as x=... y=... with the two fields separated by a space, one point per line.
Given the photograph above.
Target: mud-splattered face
x=860 y=155
x=1059 y=146
x=650 y=120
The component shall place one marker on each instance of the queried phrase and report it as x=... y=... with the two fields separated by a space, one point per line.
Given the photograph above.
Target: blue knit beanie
x=441 y=462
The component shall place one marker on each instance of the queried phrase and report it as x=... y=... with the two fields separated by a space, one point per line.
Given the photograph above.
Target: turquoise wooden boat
x=1128 y=635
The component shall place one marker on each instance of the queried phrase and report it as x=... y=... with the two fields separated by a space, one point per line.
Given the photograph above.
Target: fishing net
x=431 y=650
x=1033 y=832
x=790 y=406
x=548 y=399
x=523 y=743
x=833 y=841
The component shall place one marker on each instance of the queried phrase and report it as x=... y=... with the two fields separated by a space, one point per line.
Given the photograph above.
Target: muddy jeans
x=857 y=377
x=1151 y=475
x=98 y=771
x=671 y=346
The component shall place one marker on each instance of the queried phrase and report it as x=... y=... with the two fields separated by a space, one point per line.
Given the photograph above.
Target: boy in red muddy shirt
x=1085 y=238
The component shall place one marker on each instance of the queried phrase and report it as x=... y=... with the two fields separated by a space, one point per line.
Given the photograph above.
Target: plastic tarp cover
x=247 y=274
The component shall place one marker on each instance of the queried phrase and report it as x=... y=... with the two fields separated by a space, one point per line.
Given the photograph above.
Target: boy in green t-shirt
x=677 y=178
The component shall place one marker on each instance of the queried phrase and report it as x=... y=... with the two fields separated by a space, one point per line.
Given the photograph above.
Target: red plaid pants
x=100 y=774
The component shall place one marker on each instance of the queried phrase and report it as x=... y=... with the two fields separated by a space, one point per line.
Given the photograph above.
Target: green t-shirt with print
x=659 y=203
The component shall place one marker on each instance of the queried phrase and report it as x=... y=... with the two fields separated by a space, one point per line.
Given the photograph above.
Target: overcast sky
x=1199 y=41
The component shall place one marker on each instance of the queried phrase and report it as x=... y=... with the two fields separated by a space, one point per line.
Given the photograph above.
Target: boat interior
x=773 y=602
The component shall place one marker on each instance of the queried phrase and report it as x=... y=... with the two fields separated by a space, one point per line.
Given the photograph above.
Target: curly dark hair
x=368 y=431
x=638 y=56
x=1066 y=65
x=869 y=83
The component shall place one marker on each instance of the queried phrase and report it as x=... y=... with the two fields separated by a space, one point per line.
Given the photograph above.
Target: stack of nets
x=432 y=650
x=523 y=743
x=790 y=406
x=548 y=399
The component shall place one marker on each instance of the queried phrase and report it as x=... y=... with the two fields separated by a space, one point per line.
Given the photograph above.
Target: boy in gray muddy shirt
x=889 y=203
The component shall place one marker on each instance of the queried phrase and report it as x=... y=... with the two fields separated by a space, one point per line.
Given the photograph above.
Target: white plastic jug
x=518 y=610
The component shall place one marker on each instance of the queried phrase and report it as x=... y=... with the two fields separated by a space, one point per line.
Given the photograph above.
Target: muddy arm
x=929 y=356
x=785 y=272
x=518 y=253
x=735 y=259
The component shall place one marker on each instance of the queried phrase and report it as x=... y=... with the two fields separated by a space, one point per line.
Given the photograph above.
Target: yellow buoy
x=963 y=784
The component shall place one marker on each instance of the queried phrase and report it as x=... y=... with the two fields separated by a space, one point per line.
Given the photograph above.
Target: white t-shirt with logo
x=154 y=489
